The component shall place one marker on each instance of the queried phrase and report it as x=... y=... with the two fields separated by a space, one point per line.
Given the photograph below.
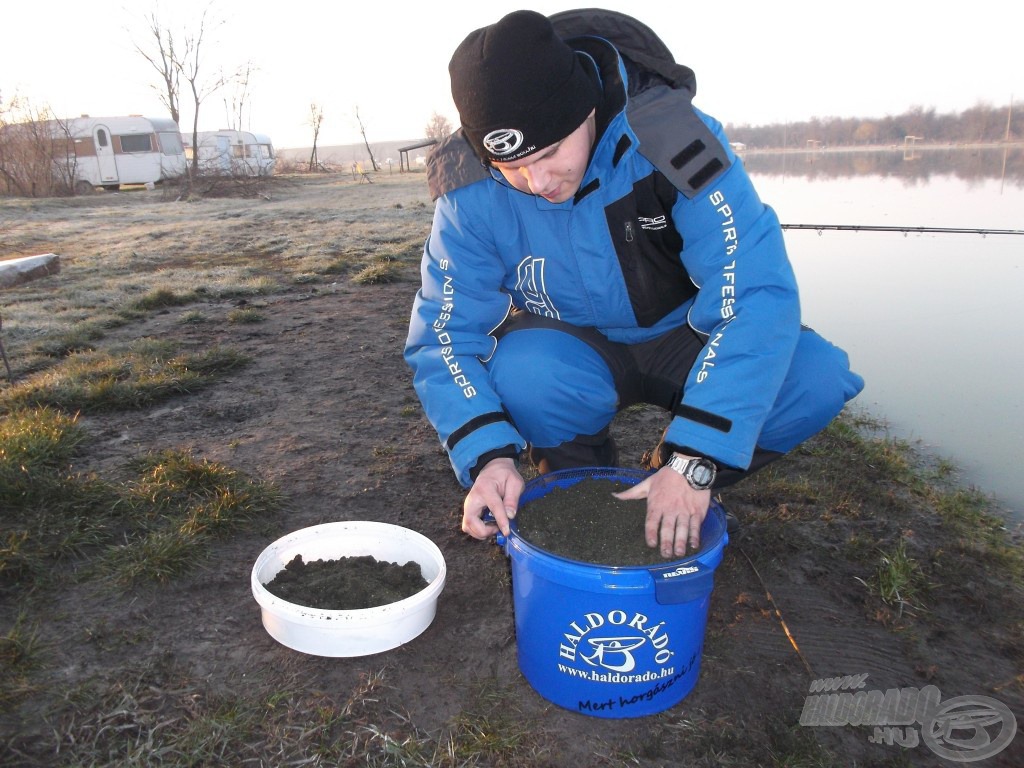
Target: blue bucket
x=610 y=641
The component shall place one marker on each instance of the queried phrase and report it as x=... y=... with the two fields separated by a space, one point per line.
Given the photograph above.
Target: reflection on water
x=914 y=165
x=932 y=321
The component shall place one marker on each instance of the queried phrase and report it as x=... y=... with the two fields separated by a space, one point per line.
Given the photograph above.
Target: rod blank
x=904 y=230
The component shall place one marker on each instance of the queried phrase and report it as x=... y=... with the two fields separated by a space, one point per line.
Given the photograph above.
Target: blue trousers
x=563 y=385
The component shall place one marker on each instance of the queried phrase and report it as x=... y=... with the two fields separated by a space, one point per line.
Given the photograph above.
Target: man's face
x=555 y=172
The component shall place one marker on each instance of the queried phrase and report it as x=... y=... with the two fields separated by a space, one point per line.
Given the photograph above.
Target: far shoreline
x=914 y=146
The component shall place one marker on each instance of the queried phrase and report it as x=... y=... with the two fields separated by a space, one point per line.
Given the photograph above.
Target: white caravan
x=232 y=153
x=110 y=151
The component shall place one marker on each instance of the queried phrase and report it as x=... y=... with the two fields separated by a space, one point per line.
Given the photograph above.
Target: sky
x=756 y=63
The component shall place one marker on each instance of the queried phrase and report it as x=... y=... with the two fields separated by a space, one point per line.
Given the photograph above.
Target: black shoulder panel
x=453 y=164
x=674 y=138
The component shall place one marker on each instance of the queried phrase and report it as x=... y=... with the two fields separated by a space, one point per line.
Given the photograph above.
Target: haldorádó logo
x=612 y=647
x=963 y=729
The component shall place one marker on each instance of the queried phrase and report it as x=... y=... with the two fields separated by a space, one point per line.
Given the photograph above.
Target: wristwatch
x=699 y=473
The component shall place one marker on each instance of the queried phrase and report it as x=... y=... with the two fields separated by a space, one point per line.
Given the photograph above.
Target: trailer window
x=101 y=137
x=136 y=143
x=83 y=148
x=170 y=143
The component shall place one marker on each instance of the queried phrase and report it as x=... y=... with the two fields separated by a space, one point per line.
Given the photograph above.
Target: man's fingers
x=638 y=491
x=668 y=536
x=694 y=526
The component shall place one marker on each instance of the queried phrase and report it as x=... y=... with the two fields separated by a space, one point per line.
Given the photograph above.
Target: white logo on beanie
x=503 y=141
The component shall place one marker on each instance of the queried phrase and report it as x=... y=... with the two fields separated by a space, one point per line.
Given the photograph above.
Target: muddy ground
x=326 y=411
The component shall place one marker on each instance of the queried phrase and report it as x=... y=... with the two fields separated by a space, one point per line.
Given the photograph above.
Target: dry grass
x=141 y=251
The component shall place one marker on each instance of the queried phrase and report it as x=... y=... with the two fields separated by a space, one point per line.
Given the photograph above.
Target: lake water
x=933 y=322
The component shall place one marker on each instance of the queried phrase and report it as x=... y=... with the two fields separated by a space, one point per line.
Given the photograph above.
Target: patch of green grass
x=33 y=442
x=20 y=654
x=896 y=480
x=172 y=477
x=79 y=338
x=193 y=317
x=898 y=578
x=182 y=502
x=60 y=516
x=215 y=362
x=346 y=261
x=245 y=315
x=851 y=444
x=380 y=272
x=150 y=528
x=500 y=738
x=966 y=512
x=853 y=471
x=157 y=556
x=141 y=375
x=48 y=512
x=209 y=497
x=250 y=286
x=161 y=298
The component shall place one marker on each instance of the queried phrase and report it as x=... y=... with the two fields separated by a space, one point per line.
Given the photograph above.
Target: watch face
x=702 y=474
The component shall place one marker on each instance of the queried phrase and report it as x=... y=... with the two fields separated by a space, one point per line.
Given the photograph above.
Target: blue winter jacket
x=630 y=255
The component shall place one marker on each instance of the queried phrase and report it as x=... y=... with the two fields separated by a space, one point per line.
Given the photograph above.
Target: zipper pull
x=629 y=231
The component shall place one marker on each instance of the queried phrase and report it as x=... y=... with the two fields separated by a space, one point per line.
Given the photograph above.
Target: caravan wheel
x=83 y=187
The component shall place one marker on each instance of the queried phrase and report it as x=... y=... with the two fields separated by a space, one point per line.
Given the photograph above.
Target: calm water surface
x=933 y=322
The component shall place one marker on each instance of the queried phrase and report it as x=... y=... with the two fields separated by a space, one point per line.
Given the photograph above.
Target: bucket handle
x=499 y=538
x=682 y=582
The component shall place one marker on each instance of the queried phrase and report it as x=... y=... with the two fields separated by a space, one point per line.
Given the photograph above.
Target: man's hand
x=675 y=511
x=496 y=490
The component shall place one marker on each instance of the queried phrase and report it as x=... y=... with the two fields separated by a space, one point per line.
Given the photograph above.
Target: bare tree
x=164 y=60
x=316 y=118
x=37 y=154
x=191 y=67
x=439 y=127
x=235 y=114
x=183 y=62
x=362 y=130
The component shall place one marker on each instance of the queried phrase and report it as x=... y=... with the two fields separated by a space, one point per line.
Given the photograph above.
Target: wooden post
x=23 y=270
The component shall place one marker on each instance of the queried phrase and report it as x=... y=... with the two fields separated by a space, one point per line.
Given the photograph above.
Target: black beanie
x=519 y=88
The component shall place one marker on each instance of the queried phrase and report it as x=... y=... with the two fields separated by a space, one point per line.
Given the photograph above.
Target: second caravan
x=232 y=153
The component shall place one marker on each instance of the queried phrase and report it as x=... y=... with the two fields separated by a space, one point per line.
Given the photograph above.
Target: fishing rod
x=819 y=228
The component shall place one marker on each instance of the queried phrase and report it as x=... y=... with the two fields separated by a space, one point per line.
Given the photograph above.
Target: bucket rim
x=718 y=534
x=376 y=614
